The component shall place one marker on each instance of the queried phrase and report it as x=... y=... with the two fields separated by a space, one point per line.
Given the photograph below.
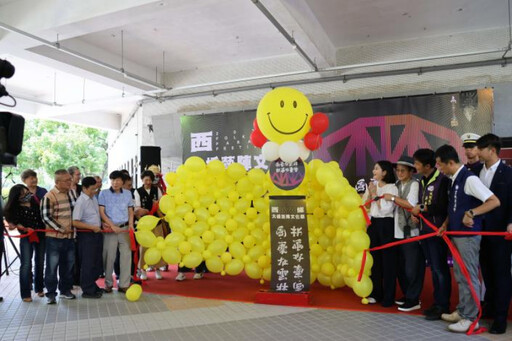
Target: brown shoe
x=122 y=289
x=107 y=290
x=40 y=294
x=27 y=299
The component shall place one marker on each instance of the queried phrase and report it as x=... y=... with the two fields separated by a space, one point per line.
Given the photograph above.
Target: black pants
x=76 y=267
x=91 y=260
x=382 y=231
x=411 y=270
x=495 y=264
x=436 y=252
x=199 y=269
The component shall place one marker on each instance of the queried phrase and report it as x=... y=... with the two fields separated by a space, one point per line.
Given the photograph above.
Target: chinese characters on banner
x=289 y=244
x=223 y=137
x=287 y=176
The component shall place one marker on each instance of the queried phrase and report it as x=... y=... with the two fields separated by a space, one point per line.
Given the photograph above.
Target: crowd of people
x=84 y=233
x=452 y=197
x=449 y=195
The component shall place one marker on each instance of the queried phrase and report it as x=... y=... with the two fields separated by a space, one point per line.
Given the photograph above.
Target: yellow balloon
x=173 y=239
x=240 y=233
x=185 y=247
x=324 y=279
x=267 y=274
x=236 y=171
x=234 y=267
x=327 y=269
x=160 y=245
x=133 y=293
x=195 y=164
x=284 y=114
x=171 y=255
x=253 y=271
x=356 y=220
x=226 y=257
x=264 y=261
x=170 y=178
x=192 y=260
x=208 y=236
x=325 y=174
x=334 y=189
x=189 y=218
x=147 y=223
x=216 y=167
x=364 y=287
x=237 y=250
x=145 y=238
x=337 y=279
x=197 y=244
x=177 y=224
x=214 y=264
x=359 y=240
x=351 y=200
x=152 y=256
x=256 y=176
x=166 y=204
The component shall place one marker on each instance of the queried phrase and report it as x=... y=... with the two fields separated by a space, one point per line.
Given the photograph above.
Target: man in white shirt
x=468 y=201
x=495 y=251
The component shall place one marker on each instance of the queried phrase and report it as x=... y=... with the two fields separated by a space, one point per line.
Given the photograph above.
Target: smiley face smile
x=284 y=132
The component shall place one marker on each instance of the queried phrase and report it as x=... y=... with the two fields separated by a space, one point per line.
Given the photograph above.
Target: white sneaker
x=163 y=268
x=371 y=300
x=143 y=275
x=149 y=269
x=181 y=277
x=158 y=275
x=462 y=326
x=452 y=318
x=198 y=275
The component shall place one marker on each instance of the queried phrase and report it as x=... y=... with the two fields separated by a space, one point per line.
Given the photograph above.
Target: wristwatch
x=422 y=208
x=393 y=198
x=472 y=213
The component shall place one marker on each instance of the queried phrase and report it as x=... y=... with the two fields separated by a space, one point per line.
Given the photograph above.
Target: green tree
x=48 y=146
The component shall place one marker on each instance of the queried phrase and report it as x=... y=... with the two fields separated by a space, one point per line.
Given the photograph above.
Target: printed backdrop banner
x=360 y=132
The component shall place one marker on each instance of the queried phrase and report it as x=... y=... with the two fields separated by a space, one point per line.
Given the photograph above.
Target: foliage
x=48 y=146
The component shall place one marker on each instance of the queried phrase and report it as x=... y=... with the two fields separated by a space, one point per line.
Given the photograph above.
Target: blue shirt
x=87 y=210
x=116 y=204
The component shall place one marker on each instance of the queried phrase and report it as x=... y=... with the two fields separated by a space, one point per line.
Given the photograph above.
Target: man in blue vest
x=495 y=251
x=469 y=200
x=433 y=204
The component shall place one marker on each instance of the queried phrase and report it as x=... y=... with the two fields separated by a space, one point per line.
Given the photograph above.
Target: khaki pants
x=111 y=242
x=159 y=231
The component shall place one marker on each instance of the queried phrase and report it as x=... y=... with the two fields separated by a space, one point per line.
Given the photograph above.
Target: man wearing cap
x=495 y=251
x=433 y=205
x=471 y=152
x=411 y=262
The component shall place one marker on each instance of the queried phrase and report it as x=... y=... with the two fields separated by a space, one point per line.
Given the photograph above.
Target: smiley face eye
x=282 y=104
x=294 y=104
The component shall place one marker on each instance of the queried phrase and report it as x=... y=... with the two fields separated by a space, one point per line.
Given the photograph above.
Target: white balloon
x=303 y=150
x=289 y=151
x=270 y=151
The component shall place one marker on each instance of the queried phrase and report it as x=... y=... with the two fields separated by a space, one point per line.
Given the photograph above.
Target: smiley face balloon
x=284 y=114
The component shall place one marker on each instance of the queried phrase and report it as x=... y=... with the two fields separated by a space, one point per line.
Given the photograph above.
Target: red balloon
x=319 y=123
x=257 y=138
x=255 y=124
x=312 y=141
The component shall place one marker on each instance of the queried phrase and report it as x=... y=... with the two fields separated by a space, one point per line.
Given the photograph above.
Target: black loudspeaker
x=149 y=155
x=11 y=133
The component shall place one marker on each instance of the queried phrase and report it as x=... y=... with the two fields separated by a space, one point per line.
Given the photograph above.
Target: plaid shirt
x=56 y=213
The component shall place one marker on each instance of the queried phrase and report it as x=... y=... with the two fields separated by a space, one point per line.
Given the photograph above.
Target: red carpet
x=243 y=289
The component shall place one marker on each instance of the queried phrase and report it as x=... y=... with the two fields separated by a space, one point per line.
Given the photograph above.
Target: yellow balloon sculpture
x=221 y=216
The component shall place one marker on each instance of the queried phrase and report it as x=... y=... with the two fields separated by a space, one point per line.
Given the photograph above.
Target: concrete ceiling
x=103 y=39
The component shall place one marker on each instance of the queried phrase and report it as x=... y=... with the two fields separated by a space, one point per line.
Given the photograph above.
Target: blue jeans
x=60 y=253
x=436 y=252
x=27 y=251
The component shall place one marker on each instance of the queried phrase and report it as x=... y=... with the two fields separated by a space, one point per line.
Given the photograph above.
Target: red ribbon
x=455 y=253
x=154 y=208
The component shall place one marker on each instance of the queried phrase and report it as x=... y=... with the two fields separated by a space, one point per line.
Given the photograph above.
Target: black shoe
x=51 y=300
x=95 y=295
x=387 y=304
x=498 y=328
x=67 y=295
x=410 y=305
x=435 y=314
x=400 y=301
x=429 y=310
x=102 y=276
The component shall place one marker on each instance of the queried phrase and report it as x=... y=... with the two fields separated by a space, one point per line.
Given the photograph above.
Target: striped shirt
x=56 y=213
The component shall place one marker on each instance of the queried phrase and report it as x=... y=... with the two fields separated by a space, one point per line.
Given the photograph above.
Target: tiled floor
x=158 y=317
